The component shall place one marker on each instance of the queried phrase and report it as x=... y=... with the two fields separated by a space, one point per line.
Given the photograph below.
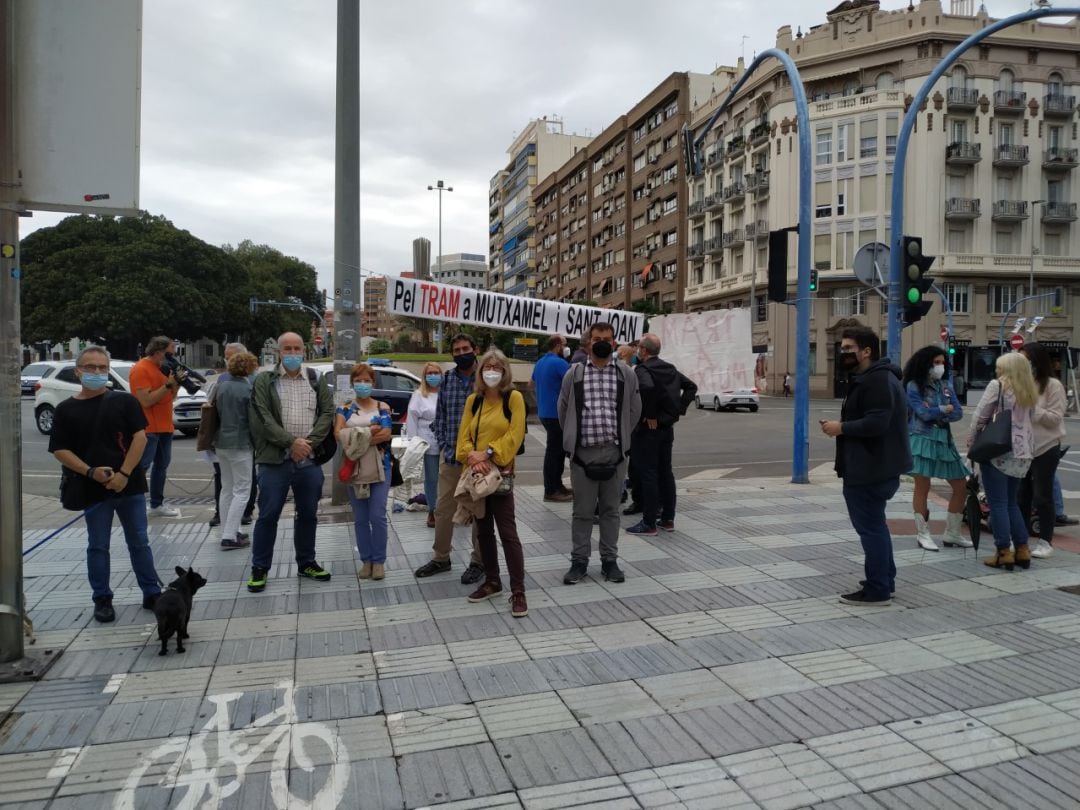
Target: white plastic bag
x=412 y=460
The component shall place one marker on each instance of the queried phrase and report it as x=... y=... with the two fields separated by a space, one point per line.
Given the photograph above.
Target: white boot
x=953 y=535
x=925 y=541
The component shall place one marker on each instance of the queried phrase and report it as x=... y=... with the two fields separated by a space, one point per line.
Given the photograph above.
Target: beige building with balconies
x=990 y=181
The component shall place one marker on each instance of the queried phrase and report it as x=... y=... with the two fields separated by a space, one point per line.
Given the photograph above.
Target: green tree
x=379 y=346
x=273 y=276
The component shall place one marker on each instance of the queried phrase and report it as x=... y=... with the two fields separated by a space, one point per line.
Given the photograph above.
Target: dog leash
x=71 y=522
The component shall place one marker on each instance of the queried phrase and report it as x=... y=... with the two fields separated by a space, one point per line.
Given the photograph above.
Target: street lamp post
x=1034 y=225
x=440 y=187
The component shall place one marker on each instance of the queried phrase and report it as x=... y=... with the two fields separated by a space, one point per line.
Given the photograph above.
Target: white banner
x=711 y=348
x=445 y=302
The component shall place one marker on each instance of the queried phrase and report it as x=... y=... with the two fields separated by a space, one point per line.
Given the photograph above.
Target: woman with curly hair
x=1013 y=391
x=932 y=407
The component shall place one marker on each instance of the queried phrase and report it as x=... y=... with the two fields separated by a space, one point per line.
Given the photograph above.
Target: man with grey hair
x=291 y=414
x=665 y=395
x=231 y=350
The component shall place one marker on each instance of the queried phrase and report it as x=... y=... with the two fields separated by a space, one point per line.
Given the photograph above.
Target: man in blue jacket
x=547 y=380
x=872 y=451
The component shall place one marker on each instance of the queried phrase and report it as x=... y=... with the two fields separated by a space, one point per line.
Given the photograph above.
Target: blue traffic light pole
x=896 y=222
x=800 y=451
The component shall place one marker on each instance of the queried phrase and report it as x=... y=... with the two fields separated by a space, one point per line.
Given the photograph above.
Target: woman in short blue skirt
x=932 y=407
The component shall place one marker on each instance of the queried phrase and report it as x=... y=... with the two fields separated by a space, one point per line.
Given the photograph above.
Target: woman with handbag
x=1048 y=425
x=232 y=445
x=369 y=513
x=421 y=418
x=1002 y=441
x=932 y=407
x=491 y=434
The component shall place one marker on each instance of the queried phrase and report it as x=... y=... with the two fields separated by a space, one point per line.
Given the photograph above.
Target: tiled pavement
x=723 y=673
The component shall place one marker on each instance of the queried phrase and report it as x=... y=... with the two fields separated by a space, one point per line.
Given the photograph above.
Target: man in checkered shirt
x=599 y=406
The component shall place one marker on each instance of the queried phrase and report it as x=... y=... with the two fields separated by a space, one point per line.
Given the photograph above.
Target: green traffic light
x=914 y=296
x=952 y=350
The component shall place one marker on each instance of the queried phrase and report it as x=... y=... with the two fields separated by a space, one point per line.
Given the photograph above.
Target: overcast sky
x=238 y=104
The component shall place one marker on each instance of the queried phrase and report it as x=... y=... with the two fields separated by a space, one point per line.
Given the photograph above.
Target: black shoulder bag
x=995 y=439
x=328 y=448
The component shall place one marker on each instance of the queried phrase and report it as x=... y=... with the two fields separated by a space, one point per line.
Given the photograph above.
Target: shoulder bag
x=995 y=439
x=209 y=423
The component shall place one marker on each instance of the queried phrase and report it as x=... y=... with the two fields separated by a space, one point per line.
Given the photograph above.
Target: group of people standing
x=894 y=423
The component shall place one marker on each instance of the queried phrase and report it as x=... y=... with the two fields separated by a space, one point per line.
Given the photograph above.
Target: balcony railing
x=963 y=152
x=696 y=209
x=757 y=230
x=758 y=183
x=714 y=159
x=1056 y=105
x=730 y=238
x=1010 y=210
x=714 y=245
x=1060 y=157
x=714 y=200
x=760 y=133
x=1055 y=212
x=734 y=191
x=1009 y=101
x=696 y=250
x=962 y=98
x=736 y=144
x=962 y=208
x=1010 y=154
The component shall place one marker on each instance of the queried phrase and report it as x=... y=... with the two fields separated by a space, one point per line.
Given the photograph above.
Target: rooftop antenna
x=744 y=38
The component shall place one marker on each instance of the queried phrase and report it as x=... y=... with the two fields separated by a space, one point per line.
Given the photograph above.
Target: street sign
x=1019 y=325
x=1034 y=324
x=870 y=263
x=944 y=333
x=1017 y=342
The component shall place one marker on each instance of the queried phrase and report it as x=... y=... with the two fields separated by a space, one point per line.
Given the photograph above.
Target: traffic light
x=916 y=282
x=952 y=346
x=813 y=281
x=778 y=262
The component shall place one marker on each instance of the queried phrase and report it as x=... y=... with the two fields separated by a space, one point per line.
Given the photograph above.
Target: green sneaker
x=257 y=581
x=312 y=570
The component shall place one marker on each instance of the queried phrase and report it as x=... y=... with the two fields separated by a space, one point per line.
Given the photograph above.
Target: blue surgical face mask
x=292 y=361
x=362 y=389
x=433 y=379
x=94 y=382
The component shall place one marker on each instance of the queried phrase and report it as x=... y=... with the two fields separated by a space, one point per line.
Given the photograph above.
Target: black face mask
x=601 y=349
x=849 y=360
x=465 y=361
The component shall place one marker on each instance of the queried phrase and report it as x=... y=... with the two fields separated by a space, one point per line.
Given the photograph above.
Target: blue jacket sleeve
x=919 y=406
x=957 y=409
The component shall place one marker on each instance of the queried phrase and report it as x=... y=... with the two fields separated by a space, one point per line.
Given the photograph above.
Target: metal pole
x=1031 y=270
x=11 y=572
x=346 y=201
x=896 y=221
x=440 y=186
x=1012 y=309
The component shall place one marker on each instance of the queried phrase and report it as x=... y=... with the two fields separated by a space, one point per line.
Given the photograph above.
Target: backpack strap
x=313 y=379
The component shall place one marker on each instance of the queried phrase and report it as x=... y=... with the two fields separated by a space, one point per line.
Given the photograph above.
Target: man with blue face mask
x=290 y=415
x=99 y=435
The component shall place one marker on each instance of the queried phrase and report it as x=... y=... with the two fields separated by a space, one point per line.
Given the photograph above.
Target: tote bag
x=995 y=439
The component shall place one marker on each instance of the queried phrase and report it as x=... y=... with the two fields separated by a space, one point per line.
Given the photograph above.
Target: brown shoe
x=519 y=608
x=378 y=571
x=431 y=520
x=365 y=571
x=559 y=497
x=1003 y=558
x=1023 y=556
x=485 y=592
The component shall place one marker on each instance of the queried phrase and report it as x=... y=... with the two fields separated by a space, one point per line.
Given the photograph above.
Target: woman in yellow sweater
x=492 y=430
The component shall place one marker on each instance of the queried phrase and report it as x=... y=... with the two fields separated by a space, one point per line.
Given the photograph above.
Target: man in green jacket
x=290 y=416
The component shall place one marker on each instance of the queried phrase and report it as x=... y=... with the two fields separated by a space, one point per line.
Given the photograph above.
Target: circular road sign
x=944 y=333
x=1017 y=342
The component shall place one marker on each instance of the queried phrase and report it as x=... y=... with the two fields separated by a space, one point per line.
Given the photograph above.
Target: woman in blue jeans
x=421 y=418
x=369 y=514
x=1013 y=391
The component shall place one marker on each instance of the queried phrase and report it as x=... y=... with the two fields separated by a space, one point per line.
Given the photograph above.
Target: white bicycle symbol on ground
x=209 y=780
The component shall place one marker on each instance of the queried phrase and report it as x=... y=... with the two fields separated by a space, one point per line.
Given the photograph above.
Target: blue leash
x=74 y=520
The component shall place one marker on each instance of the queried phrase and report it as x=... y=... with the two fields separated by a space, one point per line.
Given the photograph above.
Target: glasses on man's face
x=94 y=369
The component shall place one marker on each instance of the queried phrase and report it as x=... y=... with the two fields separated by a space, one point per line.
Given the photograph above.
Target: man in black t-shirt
x=100 y=435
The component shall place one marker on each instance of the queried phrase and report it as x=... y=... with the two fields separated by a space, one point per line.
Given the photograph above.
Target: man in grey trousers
x=599 y=406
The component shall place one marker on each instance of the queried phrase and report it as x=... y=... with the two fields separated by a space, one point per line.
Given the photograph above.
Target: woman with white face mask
x=492 y=431
x=420 y=422
x=933 y=406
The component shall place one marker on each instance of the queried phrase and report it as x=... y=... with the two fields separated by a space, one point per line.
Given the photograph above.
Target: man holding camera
x=154 y=381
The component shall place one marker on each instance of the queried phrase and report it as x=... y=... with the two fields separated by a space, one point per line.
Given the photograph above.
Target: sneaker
x=312 y=570
x=862 y=584
x=577 y=572
x=149 y=600
x=632 y=509
x=485 y=592
x=215 y=521
x=611 y=571
x=242 y=535
x=245 y=520
x=257 y=581
x=519 y=608
x=163 y=511
x=1041 y=549
x=641 y=528
x=862 y=598
x=473 y=574
x=103 y=610
x=559 y=497
x=666 y=525
x=1065 y=520
x=229 y=544
x=432 y=567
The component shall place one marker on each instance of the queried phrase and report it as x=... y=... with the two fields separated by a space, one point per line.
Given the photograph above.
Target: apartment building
x=990 y=180
x=463 y=269
x=377 y=321
x=537 y=151
x=611 y=220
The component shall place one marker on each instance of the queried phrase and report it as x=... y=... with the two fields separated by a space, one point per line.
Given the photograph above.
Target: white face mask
x=565 y=351
x=937 y=372
x=492 y=378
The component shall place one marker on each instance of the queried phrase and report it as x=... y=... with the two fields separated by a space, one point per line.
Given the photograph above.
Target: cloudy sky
x=238 y=104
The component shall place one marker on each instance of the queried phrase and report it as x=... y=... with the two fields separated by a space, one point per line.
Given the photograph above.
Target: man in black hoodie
x=872 y=451
x=665 y=395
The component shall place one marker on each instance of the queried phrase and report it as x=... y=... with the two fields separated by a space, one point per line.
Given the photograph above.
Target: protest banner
x=415 y=298
x=711 y=348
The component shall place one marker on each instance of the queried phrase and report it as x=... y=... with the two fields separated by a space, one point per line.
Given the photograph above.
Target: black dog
x=173 y=608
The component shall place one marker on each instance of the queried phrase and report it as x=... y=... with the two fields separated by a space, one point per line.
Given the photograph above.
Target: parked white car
x=729 y=400
x=187 y=411
x=62 y=383
x=33 y=373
